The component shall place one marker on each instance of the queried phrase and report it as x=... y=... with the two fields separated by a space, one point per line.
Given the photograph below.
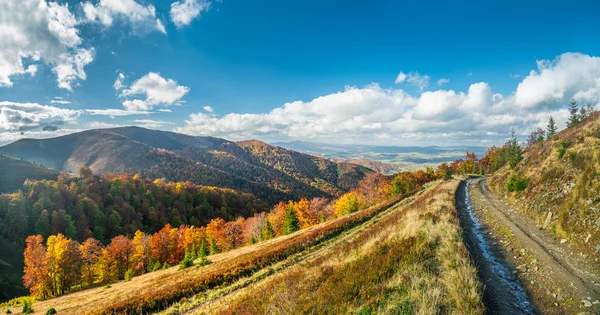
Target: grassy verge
x=410 y=261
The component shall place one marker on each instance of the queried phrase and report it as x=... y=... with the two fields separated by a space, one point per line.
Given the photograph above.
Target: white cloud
x=33 y=32
x=119 y=82
x=413 y=78
x=393 y=116
x=156 y=89
x=103 y=125
x=150 y=123
x=558 y=80
x=165 y=110
x=116 y=112
x=60 y=100
x=141 y=18
x=26 y=116
x=208 y=109
x=442 y=81
x=183 y=12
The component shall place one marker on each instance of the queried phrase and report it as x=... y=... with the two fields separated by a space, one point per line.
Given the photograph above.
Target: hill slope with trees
x=557 y=183
x=271 y=173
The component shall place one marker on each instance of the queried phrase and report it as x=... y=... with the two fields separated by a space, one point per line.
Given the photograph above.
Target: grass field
x=402 y=256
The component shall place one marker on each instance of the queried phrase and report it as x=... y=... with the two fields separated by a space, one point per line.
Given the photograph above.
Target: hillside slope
x=13 y=172
x=412 y=250
x=563 y=188
x=271 y=173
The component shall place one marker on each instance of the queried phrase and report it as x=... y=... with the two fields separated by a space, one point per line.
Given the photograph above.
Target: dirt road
x=556 y=268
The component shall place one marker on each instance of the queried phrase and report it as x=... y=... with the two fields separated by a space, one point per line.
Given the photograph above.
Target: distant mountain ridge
x=271 y=173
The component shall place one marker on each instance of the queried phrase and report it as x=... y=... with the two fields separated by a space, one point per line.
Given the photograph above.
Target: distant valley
x=385 y=159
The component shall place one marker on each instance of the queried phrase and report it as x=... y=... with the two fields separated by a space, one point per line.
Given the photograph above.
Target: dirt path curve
x=503 y=294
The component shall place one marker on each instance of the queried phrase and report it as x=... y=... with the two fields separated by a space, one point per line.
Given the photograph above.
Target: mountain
x=400 y=157
x=14 y=172
x=271 y=173
x=560 y=186
x=383 y=168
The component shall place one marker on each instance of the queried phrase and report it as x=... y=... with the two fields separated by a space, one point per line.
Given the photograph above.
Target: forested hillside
x=105 y=207
x=271 y=173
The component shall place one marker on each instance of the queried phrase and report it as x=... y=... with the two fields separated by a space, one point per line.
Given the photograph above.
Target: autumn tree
x=347 y=204
x=160 y=244
x=141 y=252
x=64 y=263
x=537 y=135
x=277 y=218
x=373 y=188
x=35 y=275
x=215 y=230
x=91 y=251
x=120 y=251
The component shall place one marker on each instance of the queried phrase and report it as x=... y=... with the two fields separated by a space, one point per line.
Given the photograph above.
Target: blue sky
x=336 y=63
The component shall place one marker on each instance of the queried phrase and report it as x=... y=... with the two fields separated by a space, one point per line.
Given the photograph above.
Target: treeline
x=105 y=207
x=62 y=264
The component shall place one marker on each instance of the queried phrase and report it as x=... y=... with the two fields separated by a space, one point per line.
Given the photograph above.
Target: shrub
x=27 y=307
x=516 y=183
x=107 y=286
x=204 y=262
x=129 y=274
x=188 y=261
x=8 y=312
x=572 y=156
x=165 y=266
x=156 y=266
x=51 y=311
x=562 y=149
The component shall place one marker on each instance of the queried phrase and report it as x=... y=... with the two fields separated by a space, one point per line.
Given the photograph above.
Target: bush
x=562 y=149
x=51 y=311
x=8 y=312
x=107 y=286
x=129 y=274
x=27 y=307
x=157 y=266
x=572 y=156
x=188 y=261
x=204 y=262
x=516 y=183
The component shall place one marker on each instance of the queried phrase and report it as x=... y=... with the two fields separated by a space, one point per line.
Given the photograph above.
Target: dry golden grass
x=409 y=259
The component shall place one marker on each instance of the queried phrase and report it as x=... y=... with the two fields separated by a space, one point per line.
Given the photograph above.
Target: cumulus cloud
x=46 y=33
x=119 y=82
x=141 y=18
x=555 y=81
x=183 y=12
x=442 y=81
x=379 y=115
x=28 y=116
x=156 y=90
x=208 y=109
x=413 y=78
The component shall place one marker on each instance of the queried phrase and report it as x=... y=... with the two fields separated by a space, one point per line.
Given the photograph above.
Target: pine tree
x=266 y=232
x=292 y=224
x=551 y=128
x=515 y=152
x=213 y=247
x=203 y=250
x=574 y=114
